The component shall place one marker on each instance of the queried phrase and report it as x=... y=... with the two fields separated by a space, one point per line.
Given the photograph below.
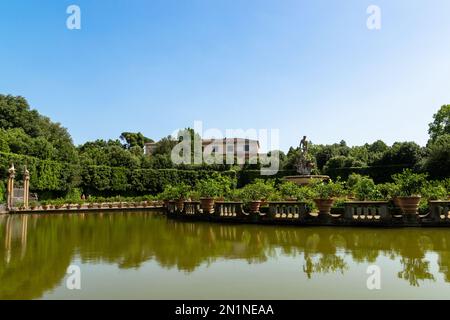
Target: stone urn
x=409 y=205
x=207 y=204
x=324 y=205
x=254 y=206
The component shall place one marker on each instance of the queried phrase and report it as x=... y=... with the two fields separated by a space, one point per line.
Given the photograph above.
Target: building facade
x=228 y=147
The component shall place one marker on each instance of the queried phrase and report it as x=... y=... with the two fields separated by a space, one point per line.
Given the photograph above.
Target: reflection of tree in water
x=412 y=253
x=444 y=265
x=323 y=248
x=414 y=270
x=327 y=263
x=32 y=265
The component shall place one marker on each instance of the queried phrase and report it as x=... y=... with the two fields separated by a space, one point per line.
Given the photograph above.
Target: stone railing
x=229 y=210
x=381 y=213
x=439 y=212
x=369 y=211
x=191 y=207
x=171 y=207
x=287 y=211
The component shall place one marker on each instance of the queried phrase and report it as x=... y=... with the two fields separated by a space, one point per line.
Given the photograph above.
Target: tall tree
x=440 y=124
x=437 y=162
x=133 y=139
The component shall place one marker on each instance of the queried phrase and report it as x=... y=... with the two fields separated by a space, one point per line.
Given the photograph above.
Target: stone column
x=10 y=188
x=26 y=187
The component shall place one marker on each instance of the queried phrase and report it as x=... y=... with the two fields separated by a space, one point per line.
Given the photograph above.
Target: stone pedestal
x=10 y=187
x=26 y=188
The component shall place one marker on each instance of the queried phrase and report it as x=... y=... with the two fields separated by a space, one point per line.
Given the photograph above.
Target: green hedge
x=50 y=178
x=53 y=179
x=45 y=175
x=112 y=181
x=380 y=174
x=2 y=192
x=248 y=176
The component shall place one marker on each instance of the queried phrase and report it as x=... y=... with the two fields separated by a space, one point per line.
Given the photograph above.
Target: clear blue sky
x=304 y=67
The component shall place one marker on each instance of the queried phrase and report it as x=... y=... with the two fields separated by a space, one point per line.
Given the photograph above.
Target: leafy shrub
x=74 y=194
x=213 y=188
x=327 y=189
x=353 y=179
x=289 y=190
x=180 y=191
x=434 y=190
x=365 y=189
x=388 y=190
x=258 y=190
x=409 y=183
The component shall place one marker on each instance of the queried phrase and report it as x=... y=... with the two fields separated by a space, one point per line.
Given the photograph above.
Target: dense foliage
x=119 y=167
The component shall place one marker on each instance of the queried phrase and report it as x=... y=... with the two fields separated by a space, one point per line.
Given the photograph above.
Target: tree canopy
x=440 y=124
x=24 y=131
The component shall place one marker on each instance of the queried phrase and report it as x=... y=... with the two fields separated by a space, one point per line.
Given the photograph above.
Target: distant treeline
x=120 y=166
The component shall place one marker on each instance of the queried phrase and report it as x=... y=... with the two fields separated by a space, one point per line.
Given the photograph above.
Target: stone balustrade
x=224 y=209
x=439 y=212
x=366 y=211
x=287 y=210
x=381 y=213
x=191 y=208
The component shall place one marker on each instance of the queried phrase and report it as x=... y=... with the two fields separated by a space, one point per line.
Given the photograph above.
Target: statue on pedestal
x=304 y=164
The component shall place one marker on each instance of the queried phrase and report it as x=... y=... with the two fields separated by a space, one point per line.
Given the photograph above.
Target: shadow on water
x=35 y=250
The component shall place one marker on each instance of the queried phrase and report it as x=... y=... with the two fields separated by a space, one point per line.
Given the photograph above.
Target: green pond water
x=146 y=256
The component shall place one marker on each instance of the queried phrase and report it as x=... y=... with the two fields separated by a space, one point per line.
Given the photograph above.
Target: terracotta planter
x=44 y=207
x=254 y=206
x=324 y=205
x=409 y=205
x=396 y=202
x=207 y=204
x=180 y=204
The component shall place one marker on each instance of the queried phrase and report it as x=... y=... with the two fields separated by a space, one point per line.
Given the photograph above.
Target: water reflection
x=37 y=249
